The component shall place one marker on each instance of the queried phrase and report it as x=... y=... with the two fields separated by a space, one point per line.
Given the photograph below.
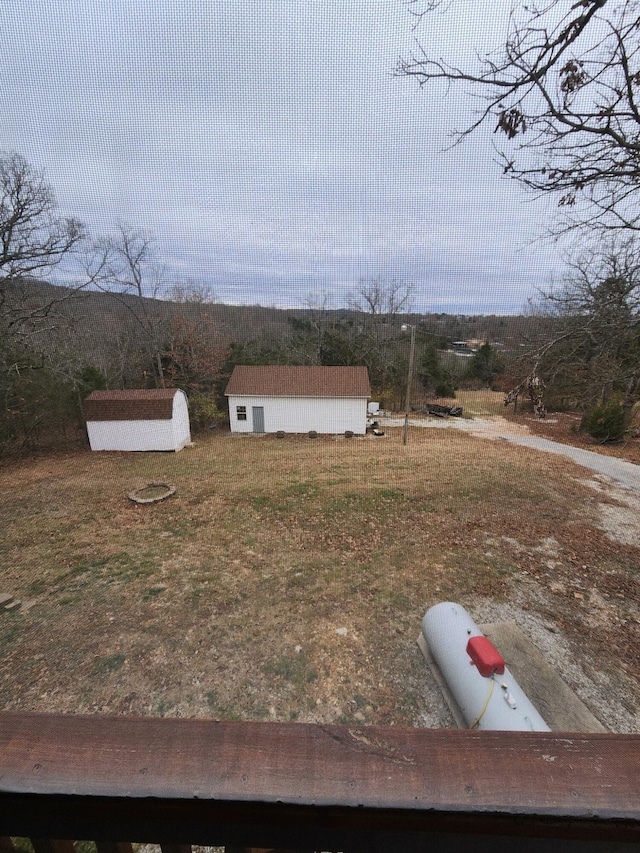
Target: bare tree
x=191 y=292
x=599 y=302
x=591 y=349
x=127 y=266
x=33 y=241
x=382 y=297
x=318 y=319
x=563 y=89
x=380 y=302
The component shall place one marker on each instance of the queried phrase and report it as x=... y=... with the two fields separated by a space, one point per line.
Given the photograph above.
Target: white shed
x=285 y=398
x=141 y=419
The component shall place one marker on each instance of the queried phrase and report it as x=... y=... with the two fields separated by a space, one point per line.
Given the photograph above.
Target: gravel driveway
x=621 y=472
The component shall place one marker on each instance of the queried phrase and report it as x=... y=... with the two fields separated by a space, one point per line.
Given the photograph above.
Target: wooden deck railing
x=311 y=787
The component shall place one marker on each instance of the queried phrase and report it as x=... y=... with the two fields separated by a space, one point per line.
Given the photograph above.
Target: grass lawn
x=286 y=579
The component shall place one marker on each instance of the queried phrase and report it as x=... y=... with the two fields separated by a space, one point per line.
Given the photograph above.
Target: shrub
x=486 y=364
x=203 y=411
x=445 y=388
x=433 y=374
x=606 y=422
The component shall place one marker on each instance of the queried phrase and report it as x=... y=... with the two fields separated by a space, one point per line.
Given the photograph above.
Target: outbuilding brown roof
x=142 y=404
x=292 y=381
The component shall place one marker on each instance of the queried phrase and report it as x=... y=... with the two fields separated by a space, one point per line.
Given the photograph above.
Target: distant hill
x=97 y=317
x=99 y=307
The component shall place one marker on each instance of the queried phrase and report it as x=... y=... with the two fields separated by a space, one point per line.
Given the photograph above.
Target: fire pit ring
x=152 y=493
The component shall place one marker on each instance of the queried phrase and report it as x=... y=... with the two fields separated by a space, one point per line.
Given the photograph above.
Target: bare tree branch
x=33 y=241
x=563 y=90
x=382 y=296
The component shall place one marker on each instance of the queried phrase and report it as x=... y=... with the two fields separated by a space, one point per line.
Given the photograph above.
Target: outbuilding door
x=258 y=418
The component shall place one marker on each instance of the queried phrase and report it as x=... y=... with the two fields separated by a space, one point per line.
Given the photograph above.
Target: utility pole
x=412 y=353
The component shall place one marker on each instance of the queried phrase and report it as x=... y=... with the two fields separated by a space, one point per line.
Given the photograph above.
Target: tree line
x=49 y=358
x=581 y=342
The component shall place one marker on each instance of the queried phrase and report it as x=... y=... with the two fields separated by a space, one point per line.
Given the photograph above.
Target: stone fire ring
x=155 y=492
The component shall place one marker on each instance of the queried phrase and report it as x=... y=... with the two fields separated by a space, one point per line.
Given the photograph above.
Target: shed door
x=258 y=418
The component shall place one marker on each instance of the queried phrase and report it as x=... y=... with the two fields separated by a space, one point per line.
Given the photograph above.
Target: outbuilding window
x=241 y=413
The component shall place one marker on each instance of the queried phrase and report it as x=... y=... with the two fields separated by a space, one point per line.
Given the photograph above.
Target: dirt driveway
x=616 y=479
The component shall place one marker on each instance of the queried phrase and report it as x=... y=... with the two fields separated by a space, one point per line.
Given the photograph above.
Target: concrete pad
x=561 y=709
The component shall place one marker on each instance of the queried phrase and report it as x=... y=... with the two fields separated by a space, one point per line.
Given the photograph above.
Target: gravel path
x=624 y=473
x=619 y=470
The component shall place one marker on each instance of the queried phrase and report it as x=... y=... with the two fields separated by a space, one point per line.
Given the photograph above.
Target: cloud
x=268 y=146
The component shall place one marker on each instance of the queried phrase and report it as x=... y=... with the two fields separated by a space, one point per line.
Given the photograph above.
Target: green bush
x=486 y=364
x=203 y=411
x=606 y=422
x=445 y=388
x=433 y=375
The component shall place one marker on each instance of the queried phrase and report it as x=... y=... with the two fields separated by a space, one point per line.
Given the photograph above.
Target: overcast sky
x=269 y=148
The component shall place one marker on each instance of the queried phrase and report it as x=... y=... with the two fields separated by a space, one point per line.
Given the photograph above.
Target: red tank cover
x=485 y=656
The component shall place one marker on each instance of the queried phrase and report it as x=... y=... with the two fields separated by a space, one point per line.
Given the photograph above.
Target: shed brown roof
x=293 y=381
x=141 y=404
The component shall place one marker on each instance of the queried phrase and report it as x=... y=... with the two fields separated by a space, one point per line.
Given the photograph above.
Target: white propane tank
x=491 y=701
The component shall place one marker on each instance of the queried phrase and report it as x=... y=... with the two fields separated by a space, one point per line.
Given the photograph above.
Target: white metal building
x=141 y=419
x=292 y=399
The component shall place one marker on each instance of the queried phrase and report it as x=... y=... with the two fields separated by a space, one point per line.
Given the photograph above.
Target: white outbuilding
x=141 y=419
x=274 y=398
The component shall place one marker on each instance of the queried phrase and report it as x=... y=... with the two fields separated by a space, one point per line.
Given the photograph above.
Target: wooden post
x=407 y=407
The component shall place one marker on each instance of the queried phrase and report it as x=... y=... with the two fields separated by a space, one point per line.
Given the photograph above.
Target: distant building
x=292 y=399
x=475 y=343
x=141 y=419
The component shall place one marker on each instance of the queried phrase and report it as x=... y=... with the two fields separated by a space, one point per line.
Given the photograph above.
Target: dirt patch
x=619 y=512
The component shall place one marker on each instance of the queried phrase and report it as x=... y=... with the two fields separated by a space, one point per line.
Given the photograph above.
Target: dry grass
x=286 y=579
x=481 y=403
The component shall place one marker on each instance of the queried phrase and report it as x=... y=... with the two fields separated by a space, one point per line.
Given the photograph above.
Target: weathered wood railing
x=311 y=787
